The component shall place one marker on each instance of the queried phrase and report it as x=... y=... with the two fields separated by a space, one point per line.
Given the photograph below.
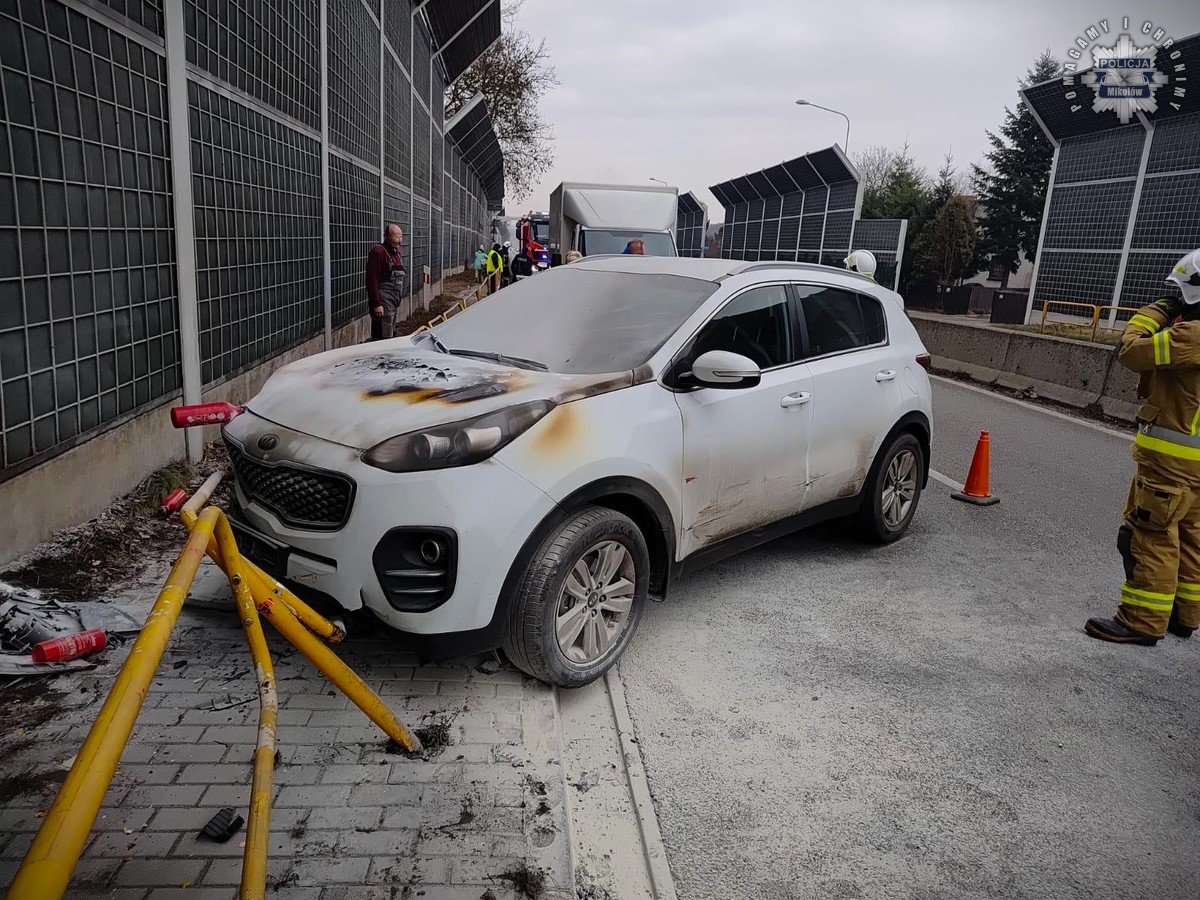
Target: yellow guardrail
x=486 y=289
x=1090 y=311
x=47 y=867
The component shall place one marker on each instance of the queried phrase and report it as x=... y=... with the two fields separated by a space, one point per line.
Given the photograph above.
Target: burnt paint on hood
x=359 y=396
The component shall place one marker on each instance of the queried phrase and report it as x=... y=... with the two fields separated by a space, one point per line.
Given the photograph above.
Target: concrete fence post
x=183 y=210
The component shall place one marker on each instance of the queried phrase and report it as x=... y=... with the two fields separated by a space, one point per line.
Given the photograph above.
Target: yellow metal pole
x=1095 y=320
x=344 y=678
x=258 y=827
x=313 y=620
x=1045 y=309
x=46 y=870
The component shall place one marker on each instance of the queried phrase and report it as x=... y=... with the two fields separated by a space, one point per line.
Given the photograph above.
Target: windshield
x=579 y=321
x=608 y=240
x=541 y=232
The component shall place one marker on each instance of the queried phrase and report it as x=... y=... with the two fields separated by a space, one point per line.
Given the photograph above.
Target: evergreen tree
x=946 y=185
x=1012 y=189
x=947 y=243
x=906 y=195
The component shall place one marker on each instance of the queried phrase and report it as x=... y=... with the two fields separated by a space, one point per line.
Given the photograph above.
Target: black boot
x=1177 y=628
x=1114 y=631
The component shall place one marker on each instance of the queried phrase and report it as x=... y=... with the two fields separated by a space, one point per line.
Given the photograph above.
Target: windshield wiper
x=436 y=341
x=518 y=361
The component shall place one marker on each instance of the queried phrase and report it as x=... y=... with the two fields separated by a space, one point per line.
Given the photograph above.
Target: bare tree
x=512 y=75
x=874 y=166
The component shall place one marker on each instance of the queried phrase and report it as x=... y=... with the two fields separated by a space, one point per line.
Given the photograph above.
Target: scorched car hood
x=359 y=396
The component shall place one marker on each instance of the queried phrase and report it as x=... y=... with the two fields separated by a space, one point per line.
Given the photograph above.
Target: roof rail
x=803 y=266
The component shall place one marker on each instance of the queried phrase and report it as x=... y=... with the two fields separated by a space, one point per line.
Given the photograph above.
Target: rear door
x=744 y=450
x=855 y=386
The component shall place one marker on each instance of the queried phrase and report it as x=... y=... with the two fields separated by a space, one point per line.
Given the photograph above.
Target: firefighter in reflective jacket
x=1160 y=537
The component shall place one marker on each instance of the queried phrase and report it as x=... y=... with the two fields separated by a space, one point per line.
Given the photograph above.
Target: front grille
x=300 y=497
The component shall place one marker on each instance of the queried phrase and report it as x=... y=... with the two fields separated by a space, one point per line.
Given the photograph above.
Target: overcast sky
x=697 y=92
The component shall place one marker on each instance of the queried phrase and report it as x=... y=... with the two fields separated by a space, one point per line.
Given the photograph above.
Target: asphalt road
x=820 y=718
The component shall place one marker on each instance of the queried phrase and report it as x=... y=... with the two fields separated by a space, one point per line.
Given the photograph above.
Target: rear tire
x=572 y=618
x=892 y=492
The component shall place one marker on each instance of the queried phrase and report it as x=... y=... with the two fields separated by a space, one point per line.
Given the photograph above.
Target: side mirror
x=724 y=369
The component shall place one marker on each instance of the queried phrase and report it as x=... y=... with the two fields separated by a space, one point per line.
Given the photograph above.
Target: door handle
x=885 y=375
x=797 y=399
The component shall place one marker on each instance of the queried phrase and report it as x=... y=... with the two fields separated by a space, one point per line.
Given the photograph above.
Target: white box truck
x=604 y=218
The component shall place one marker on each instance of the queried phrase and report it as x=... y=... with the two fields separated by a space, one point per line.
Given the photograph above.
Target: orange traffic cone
x=977 y=489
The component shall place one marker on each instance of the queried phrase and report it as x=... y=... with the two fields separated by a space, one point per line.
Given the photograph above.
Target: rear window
x=839 y=320
x=580 y=321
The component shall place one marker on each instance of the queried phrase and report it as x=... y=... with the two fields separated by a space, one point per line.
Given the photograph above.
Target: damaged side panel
x=633 y=433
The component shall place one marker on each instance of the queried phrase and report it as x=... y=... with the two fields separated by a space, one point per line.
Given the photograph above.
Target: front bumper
x=489 y=509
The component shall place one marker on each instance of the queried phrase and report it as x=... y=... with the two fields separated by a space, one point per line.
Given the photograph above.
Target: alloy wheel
x=595 y=603
x=899 y=488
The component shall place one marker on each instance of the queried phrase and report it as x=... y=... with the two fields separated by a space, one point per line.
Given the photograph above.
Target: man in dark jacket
x=385 y=282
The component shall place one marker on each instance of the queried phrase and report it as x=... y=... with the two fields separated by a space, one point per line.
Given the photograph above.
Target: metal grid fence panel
x=838 y=226
x=269 y=50
x=1145 y=275
x=353 y=80
x=1176 y=145
x=397 y=29
x=1094 y=157
x=147 y=13
x=87 y=291
x=397 y=207
x=1168 y=215
x=843 y=195
x=1076 y=277
x=419 y=242
x=1089 y=216
x=397 y=104
x=355 y=224
x=420 y=153
x=257 y=191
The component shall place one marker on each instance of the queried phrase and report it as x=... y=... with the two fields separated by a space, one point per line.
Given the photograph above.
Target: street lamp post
x=835 y=112
x=659 y=180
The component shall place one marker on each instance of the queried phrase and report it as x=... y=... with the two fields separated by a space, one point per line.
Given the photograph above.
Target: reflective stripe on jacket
x=1168 y=359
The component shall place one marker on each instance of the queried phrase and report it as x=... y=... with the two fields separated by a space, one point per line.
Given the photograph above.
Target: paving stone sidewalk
x=351 y=818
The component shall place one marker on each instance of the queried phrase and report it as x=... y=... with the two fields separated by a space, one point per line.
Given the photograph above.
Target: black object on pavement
x=224 y=825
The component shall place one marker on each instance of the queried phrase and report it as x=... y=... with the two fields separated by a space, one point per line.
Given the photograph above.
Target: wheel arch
x=631 y=497
x=917 y=424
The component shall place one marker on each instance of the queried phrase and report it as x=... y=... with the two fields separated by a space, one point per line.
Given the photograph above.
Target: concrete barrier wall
x=1077 y=373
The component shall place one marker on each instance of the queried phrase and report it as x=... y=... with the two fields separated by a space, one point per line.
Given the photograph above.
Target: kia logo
x=268 y=442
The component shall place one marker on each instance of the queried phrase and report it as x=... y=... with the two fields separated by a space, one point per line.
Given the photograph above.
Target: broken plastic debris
x=222 y=826
x=28 y=618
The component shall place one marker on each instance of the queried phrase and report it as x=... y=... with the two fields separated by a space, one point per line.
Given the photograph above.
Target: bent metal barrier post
x=47 y=867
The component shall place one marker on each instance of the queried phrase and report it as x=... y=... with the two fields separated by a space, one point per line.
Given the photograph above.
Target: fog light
x=432 y=551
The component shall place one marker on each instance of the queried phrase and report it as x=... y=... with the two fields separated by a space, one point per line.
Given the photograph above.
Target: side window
x=757 y=325
x=840 y=320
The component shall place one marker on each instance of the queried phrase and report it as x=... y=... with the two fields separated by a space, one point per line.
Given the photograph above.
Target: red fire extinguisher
x=71 y=646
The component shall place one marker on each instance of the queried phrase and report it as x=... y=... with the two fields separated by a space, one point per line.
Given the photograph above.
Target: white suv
x=527 y=474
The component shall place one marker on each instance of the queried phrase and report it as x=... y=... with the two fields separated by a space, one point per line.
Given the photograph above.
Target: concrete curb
x=635 y=771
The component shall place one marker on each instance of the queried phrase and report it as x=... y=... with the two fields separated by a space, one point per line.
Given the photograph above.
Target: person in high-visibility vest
x=495 y=263
x=1160 y=538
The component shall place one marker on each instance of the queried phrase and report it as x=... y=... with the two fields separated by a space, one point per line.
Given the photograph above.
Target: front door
x=744 y=450
x=855 y=387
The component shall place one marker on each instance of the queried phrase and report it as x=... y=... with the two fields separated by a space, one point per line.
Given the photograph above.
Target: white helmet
x=862 y=262
x=1186 y=277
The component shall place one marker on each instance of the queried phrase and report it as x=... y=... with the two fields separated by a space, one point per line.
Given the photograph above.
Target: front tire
x=580 y=599
x=893 y=491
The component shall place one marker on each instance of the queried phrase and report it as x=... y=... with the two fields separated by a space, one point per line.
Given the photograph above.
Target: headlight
x=457 y=444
